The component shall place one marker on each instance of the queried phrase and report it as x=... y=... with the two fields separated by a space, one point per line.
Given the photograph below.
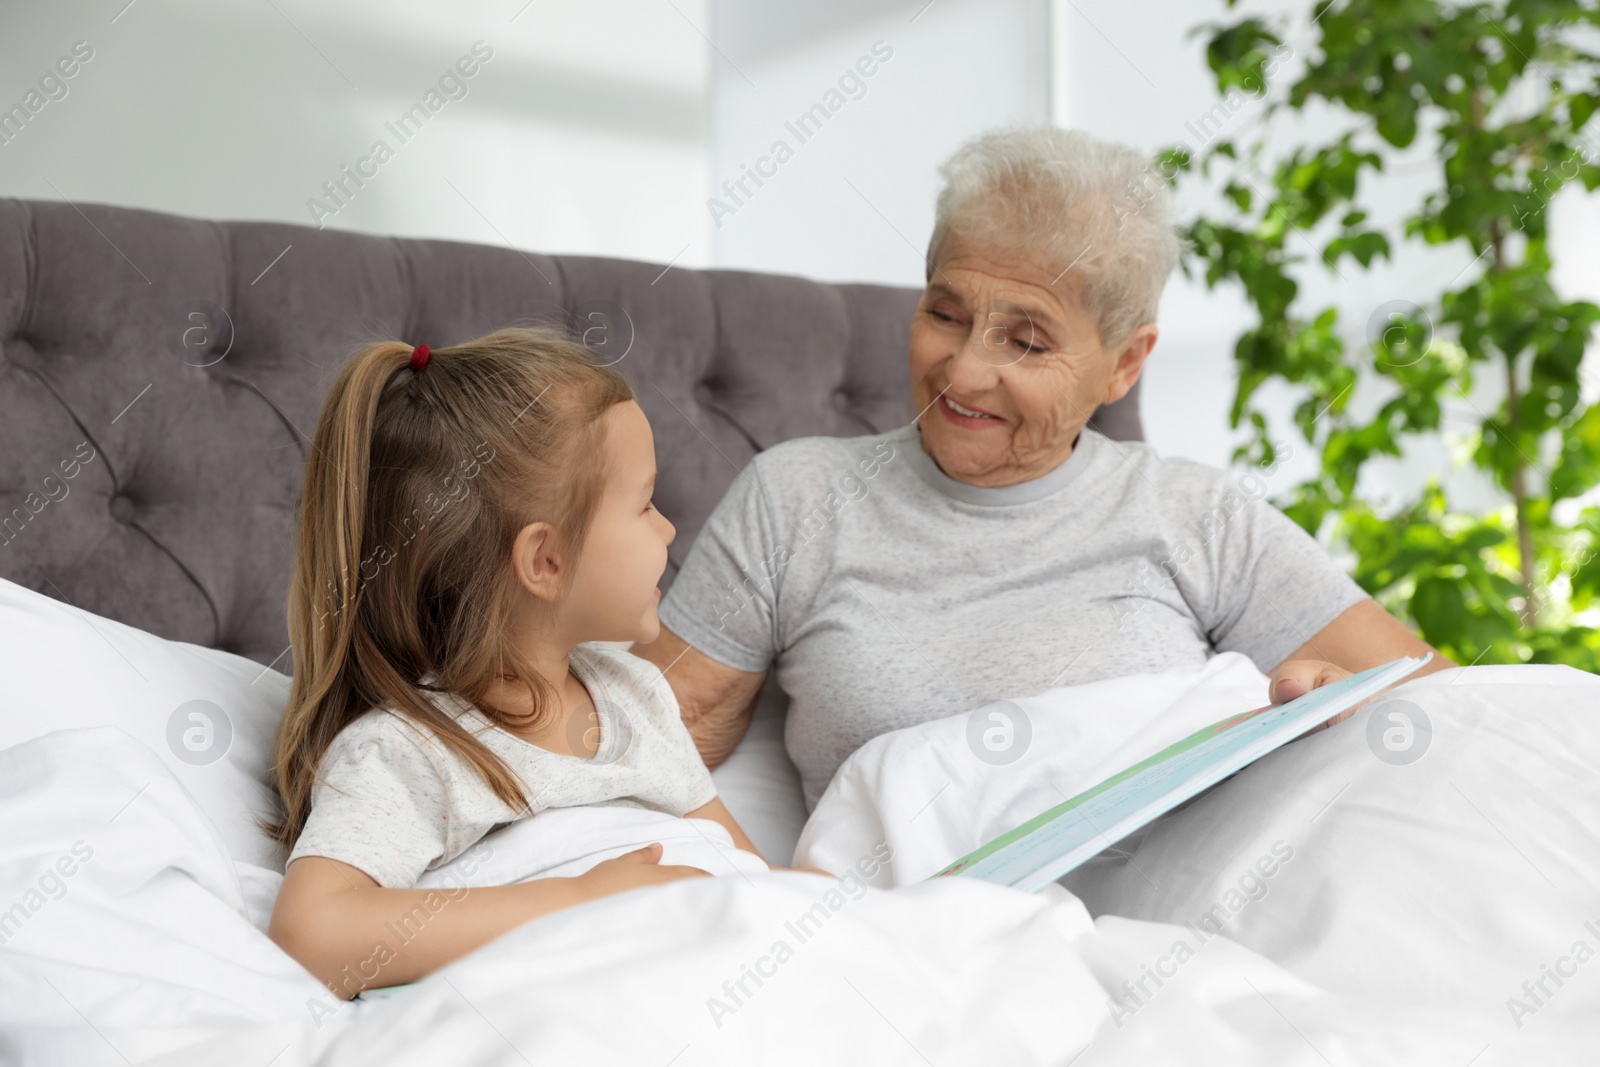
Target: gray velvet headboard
x=159 y=375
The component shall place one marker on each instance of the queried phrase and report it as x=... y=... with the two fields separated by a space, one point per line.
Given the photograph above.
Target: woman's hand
x=631 y=870
x=1297 y=677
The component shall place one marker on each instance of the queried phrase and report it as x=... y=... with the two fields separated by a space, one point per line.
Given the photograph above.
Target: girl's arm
x=353 y=934
x=717 y=811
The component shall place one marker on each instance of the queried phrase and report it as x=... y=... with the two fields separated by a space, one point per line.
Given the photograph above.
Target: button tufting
x=202 y=332
x=122 y=508
x=841 y=399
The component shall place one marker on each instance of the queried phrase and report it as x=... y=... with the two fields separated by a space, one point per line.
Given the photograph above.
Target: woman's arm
x=352 y=934
x=716 y=701
x=1364 y=635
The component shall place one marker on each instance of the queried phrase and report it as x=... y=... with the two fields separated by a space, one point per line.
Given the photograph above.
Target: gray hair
x=1102 y=209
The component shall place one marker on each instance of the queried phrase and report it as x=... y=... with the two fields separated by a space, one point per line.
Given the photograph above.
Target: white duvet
x=1416 y=903
x=1466 y=880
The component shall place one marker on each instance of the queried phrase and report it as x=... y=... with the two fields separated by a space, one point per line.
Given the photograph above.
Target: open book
x=1052 y=843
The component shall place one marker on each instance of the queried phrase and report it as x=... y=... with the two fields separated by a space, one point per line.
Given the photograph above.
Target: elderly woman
x=998 y=545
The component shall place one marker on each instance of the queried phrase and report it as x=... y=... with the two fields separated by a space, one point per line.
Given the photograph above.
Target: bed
x=157 y=375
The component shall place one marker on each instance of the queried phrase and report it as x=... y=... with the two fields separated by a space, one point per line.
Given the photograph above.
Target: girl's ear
x=535 y=561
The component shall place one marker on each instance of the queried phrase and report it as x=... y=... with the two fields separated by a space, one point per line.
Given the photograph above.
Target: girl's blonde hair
x=416 y=485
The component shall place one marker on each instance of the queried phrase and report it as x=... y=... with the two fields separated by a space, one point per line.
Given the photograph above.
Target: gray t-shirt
x=393 y=801
x=891 y=594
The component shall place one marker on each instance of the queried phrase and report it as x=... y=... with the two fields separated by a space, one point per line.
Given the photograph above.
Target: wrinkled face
x=614 y=593
x=1006 y=367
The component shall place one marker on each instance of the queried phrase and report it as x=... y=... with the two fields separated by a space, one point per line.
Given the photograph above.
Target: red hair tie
x=419 y=357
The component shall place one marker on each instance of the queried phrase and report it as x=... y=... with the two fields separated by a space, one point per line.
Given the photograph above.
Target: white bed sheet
x=151 y=951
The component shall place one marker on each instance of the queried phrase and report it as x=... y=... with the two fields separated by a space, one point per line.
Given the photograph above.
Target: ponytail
x=416 y=483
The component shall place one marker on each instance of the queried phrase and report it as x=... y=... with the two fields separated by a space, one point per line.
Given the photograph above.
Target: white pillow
x=209 y=715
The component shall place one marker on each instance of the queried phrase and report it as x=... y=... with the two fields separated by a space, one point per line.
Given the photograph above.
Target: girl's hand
x=631 y=870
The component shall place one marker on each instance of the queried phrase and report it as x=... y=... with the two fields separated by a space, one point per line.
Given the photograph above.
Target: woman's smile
x=970 y=417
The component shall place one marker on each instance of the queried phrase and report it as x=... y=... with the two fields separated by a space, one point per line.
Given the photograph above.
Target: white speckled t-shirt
x=393 y=801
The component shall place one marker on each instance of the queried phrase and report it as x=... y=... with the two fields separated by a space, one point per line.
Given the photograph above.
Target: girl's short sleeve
x=688 y=777
x=699 y=788
x=379 y=803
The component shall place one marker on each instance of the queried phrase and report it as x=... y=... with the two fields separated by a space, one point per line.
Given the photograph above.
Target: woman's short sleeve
x=1268 y=586
x=379 y=803
x=724 y=599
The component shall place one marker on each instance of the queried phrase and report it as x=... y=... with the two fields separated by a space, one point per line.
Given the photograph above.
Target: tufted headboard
x=159 y=376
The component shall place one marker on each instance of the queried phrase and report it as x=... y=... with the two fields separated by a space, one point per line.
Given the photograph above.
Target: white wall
x=587 y=131
x=855 y=200
x=855 y=203
x=608 y=126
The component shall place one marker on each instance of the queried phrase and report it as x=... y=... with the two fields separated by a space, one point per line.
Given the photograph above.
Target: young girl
x=470 y=518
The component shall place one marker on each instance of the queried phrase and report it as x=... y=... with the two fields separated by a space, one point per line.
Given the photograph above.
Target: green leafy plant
x=1499 y=94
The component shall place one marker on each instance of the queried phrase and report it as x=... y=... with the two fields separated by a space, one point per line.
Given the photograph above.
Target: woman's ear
x=536 y=562
x=1132 y=353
